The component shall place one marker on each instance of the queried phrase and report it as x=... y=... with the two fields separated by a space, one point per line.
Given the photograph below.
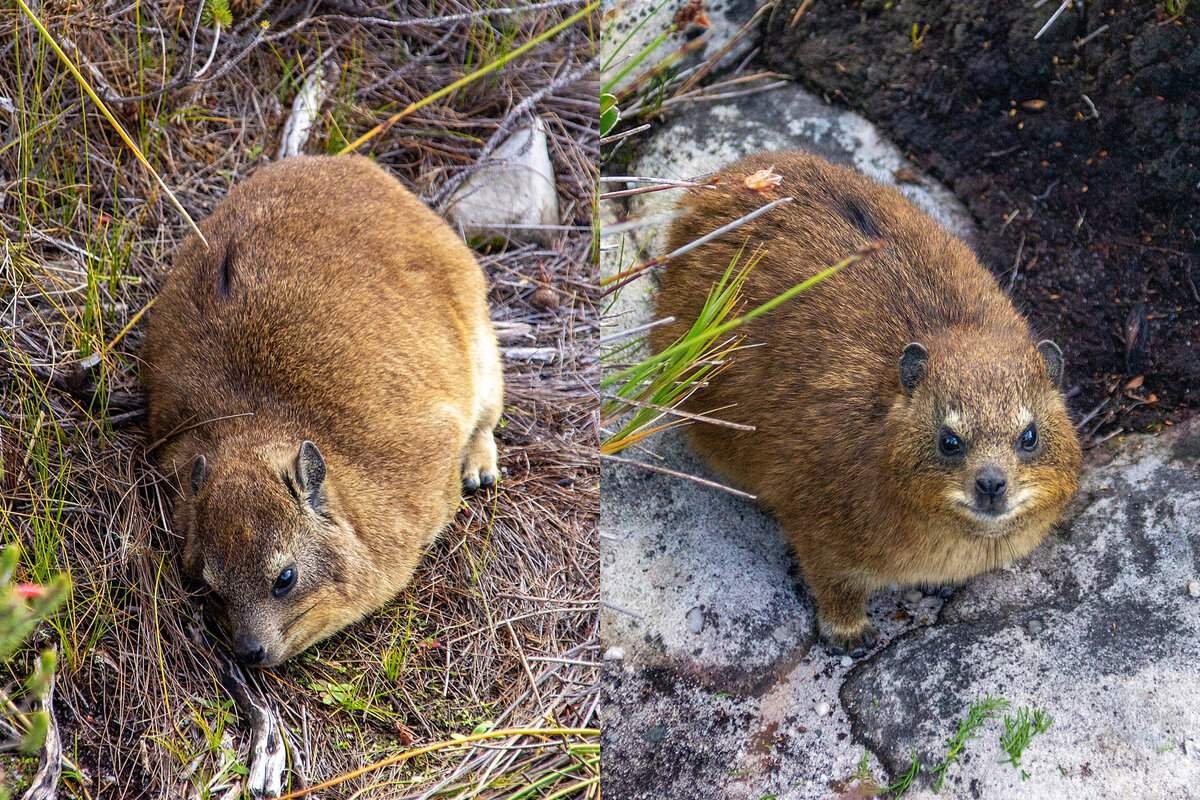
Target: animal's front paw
x=855 y=643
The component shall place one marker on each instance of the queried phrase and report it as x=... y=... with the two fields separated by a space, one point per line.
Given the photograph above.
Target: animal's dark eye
x=285 y=582
x=1029 y=439
x=950 y=444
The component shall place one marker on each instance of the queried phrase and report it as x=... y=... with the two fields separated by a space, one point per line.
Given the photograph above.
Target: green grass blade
x=137 y=152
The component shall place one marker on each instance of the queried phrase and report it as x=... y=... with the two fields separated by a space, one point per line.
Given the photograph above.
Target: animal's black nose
x=248 y=650
x=990 y=483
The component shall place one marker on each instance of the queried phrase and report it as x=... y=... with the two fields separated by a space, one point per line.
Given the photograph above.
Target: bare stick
x=608 y=339
x=622 y=278
x=45 y=782
x=1053 y=18
x=677 y=474
x=268 y=758
x=1016 y=265
x=800 y=12
x=680 y=413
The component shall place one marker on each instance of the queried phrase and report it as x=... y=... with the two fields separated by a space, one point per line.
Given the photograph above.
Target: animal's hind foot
x=479 y=465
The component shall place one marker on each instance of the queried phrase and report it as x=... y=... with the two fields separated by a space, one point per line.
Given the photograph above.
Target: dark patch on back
x=225 y=272
x=857 y=214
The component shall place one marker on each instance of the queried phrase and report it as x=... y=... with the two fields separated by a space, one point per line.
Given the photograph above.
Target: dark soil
x=1100 y=216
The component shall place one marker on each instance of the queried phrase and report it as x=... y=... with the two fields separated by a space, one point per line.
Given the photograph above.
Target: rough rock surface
x=714 y=683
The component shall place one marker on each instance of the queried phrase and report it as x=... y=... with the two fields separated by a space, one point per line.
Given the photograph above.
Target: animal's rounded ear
x=1052 y=355
x=310 y=467
x=199 y=474
x=912 y=366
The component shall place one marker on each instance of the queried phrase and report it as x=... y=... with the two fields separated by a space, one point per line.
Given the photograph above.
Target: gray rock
x=513 y=194
x=737 y=698
x=666 y=565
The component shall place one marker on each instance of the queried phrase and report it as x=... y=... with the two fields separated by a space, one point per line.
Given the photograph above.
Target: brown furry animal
x=908 y=428
x=326 y=377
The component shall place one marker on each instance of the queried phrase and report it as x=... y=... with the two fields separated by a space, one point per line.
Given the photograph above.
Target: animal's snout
x=249 y=650
x=990 y=487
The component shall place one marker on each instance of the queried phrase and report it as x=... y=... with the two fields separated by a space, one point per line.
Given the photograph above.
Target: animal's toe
x=856 y=645
x=487 y=479
x=471 y=482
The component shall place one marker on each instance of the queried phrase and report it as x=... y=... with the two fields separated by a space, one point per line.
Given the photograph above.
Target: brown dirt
x=1100 y=216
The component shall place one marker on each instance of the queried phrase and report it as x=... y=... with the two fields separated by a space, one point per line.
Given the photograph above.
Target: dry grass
x=500 y=625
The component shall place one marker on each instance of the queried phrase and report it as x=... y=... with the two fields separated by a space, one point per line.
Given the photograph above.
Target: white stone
x=1194 y=588
x=306 y=107
x=512 y=194
x=823 y=709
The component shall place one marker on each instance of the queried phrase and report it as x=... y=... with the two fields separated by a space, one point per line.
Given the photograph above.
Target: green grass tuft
x=216 y=12
x=980 y=712
x=1019 y=730
x=899 y=787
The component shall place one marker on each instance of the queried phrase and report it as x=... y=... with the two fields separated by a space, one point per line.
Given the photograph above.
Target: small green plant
x=1019 y=730
x=1175 y=8
x=216 y=13
x=863 y=769
x=610 y=114
x=980 y=712
x=22 y=607
x=899 y=787
x=658 y=384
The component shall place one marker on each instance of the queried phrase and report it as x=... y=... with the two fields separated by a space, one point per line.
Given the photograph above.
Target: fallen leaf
x=906 y=175
x=763 y=180
x=692 y=13
x=1134 y=383
x=1034 y=105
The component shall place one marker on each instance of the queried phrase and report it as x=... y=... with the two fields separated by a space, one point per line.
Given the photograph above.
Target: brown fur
x=331 y=306
x=842 y=454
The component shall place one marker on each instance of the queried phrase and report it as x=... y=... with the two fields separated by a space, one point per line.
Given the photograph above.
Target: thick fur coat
x=324 y=377
x=852 y=450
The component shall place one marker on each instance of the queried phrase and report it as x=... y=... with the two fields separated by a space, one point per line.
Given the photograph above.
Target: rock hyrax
x=325 y=378
x=908 y=428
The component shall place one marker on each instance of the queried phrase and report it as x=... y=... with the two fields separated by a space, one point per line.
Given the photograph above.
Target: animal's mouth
x=992 y=523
